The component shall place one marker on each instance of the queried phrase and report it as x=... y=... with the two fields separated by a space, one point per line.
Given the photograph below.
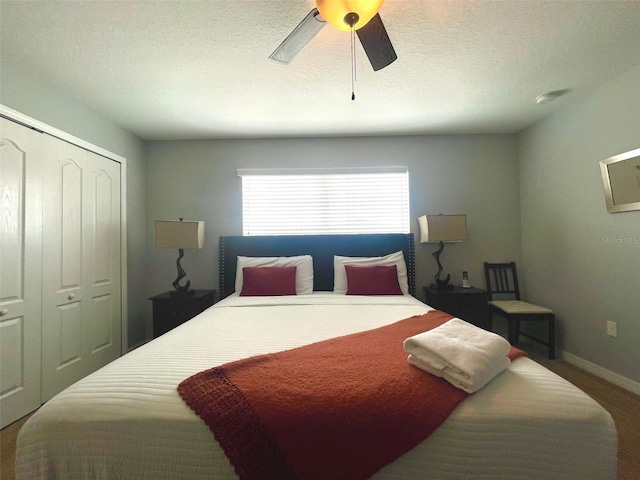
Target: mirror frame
x=609 y=189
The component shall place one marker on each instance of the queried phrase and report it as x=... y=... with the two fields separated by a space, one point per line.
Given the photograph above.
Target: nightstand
x=469 y=304
x=169 y=312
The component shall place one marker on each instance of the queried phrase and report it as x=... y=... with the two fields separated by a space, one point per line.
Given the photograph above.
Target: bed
x=127 y=420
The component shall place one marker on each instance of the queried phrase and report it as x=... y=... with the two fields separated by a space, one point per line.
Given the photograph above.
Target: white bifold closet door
x=81 y=296
x=60 y=266
x=20 y=270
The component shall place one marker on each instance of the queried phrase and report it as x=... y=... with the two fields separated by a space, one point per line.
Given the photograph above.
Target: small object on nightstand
x=465 y=280
x=169 y=311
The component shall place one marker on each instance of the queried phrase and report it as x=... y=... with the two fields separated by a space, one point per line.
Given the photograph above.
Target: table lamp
x=180 y=234
x=441 y=229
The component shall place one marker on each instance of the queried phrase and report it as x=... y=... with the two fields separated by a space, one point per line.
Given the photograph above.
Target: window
x=325 y=201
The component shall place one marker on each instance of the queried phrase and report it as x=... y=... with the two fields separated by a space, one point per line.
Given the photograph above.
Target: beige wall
x=474 y=174
x=578 y=259
x=545 y=179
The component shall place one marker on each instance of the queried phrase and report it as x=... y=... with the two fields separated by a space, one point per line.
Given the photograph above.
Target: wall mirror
x=621 y=179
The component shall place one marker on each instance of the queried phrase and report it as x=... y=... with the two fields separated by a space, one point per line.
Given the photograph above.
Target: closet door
x=102 y=268
x=20 y=267
x=81 y=320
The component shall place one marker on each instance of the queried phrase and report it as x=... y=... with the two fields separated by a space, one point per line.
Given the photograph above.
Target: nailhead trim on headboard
x=221 y=263
x=411 y=272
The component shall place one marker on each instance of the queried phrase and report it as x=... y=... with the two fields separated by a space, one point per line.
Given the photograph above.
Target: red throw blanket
x=338 y=409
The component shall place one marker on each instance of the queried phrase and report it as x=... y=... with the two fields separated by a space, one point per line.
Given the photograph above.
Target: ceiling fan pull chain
x=353 y=64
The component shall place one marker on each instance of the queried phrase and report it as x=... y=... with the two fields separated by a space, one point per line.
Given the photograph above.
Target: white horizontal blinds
x=291 y=202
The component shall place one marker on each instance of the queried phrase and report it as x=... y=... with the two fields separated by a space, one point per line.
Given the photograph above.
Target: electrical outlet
x=612 y=329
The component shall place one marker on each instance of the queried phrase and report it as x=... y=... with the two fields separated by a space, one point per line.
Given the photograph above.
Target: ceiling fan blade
x=376 y=43
x=301 y=35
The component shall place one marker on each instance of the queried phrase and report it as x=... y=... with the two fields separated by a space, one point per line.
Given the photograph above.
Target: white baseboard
x=608 y=375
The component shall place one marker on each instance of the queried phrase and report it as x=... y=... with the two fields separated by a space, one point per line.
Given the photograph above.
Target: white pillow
x=304 y=270
x=340 y=274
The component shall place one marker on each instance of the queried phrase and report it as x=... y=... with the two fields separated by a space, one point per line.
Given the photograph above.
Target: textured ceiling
x=199 y=69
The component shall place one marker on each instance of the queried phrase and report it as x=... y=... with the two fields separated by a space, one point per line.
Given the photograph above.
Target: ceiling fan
x=360 y=16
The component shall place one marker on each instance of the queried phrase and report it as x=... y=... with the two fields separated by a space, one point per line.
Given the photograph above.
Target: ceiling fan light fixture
x=337 y=12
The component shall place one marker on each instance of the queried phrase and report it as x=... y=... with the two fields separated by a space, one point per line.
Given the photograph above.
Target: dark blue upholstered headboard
x=321 y=247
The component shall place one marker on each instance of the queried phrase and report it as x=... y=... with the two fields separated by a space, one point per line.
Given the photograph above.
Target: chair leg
x=552 y=337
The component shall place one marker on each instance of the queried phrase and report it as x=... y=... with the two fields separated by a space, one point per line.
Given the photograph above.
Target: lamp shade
x=334 y=11
x=443 y=228
x=179 y=234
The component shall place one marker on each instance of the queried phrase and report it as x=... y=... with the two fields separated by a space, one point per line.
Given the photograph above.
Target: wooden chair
x=504 y=300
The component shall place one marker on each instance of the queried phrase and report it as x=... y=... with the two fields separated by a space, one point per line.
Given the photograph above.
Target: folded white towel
x=468 y=384
x=464 y=350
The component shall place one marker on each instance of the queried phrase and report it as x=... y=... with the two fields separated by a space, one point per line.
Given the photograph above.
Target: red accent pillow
x=375 y=280
x=267 y=281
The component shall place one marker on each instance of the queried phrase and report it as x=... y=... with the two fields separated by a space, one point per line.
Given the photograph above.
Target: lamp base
x=182 y=293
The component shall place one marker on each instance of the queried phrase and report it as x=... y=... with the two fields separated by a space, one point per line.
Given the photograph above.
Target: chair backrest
x=502 y=280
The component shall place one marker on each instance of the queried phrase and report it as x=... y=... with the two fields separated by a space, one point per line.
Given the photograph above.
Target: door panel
x=69 y=186
x=81 y=277
x=101 y=323
x=12 y=211
x=20 y=267
x=70 y=339
x=104 y=191
x=103 y=263
x=64 y=356
x=11 y=339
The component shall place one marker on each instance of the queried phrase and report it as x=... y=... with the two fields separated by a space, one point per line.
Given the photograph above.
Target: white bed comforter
x=127 y=421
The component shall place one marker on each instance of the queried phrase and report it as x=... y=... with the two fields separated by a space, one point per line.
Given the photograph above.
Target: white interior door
x=20 y=267
x=81 y=296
